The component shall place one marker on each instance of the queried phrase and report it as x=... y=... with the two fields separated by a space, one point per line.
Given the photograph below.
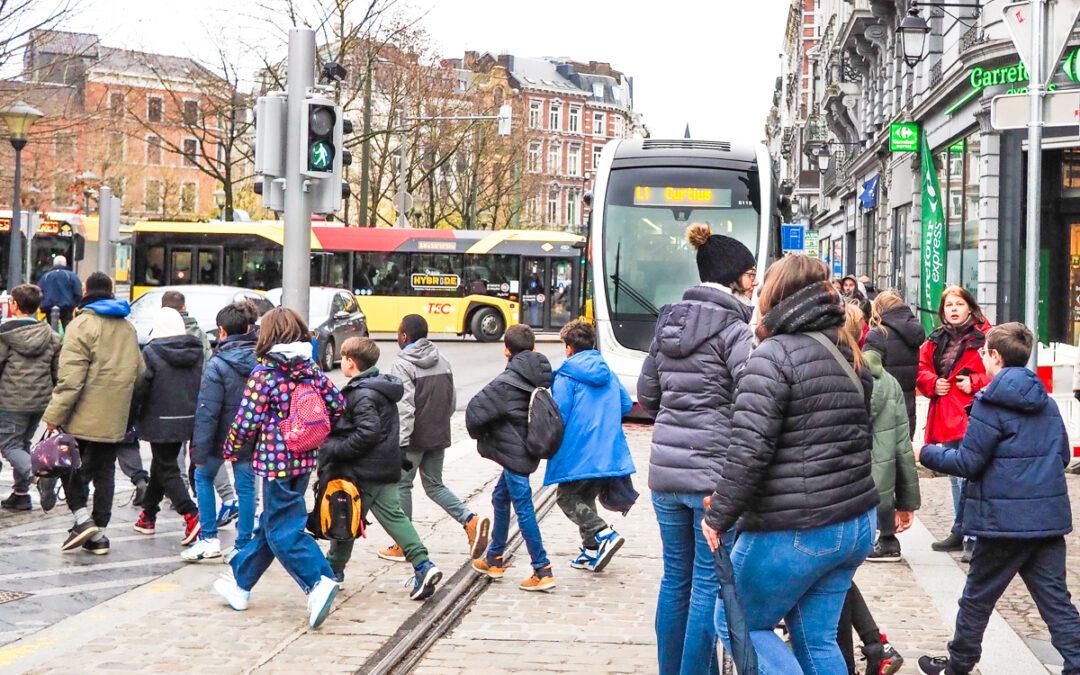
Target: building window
x=155 y=109
x=153 y=150
x=152 y=196
x=118 y=185
x=574 y=122
x=191 y=112
x=535 y=113
x=191 y=151
x=116 y=146
x=116 y=104
x=554 y=160
x=555 y=116
x=620 y=126
x=573 y=160
x=188 y=197
x=553 y=206
x=959 y=178
x=62 y=189
x=535 y=154
x=573 y=195
x=65 y=148
x=598 y=123
x=901 y=217
x=596 y=150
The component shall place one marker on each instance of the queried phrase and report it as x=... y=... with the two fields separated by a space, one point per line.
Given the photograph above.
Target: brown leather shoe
x=393 y=553
x=478 y=530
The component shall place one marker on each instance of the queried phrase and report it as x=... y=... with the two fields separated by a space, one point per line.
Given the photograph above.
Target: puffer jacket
x=898 y=341
x=1014 y=456
x=99 y=365
x=498 y=416
x=364 y=445
x=430 y=399
x=688 y=381
x=29 y=357
x=893 y=460
x=947 y=417
x=801 y=434
x=167 y=390
x=265 y=404
x=220 y=393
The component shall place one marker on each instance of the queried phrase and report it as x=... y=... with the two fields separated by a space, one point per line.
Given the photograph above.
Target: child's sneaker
x=204 y=549
x=934 y=665
x=145 y=525
x=492 y=567
x=98 y=546
x=886 y=549
x=191 y=528
x=79 y=534
x=586 y=559
x=477 y=530
x=610 y=542
x=320 y=600
x=226 y=587
x=228 y=514
x=427 y=576
x=393 y=553
x=17 y=503
x=541 y=580
x=229 y=554
x=891 y=661
x=47 y=488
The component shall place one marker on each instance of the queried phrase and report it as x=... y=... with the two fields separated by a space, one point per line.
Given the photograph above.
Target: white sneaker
x=229 y=554
x=226 y=587
x=320 y=599
x=203 y=549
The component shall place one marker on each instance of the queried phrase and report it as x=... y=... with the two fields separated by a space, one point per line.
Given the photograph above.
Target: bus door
x=194 y=265
x=548 y=292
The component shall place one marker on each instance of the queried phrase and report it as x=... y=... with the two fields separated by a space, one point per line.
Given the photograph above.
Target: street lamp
x=219 y=201
x=19 y=118
x=913 y=31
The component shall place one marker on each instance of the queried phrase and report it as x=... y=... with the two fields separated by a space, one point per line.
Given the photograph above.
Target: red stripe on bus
x=379 y=239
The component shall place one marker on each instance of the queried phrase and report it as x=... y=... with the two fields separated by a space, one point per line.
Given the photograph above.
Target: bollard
x=54 y=318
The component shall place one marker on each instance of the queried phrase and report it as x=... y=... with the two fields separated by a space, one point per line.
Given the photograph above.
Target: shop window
x=381 y=274
x=1070 y=174
x=959 y=176
x=901 y=218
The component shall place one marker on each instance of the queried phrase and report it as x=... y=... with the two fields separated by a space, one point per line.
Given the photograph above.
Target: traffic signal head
x=317 y=134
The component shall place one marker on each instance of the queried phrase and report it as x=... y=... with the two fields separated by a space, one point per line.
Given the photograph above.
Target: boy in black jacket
x=364 y=449
x=498 y=418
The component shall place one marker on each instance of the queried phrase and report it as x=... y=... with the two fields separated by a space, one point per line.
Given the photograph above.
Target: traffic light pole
x=296 y=272
x=1036 y=90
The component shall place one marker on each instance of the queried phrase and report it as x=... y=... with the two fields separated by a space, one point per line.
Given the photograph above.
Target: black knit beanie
x=720 y=260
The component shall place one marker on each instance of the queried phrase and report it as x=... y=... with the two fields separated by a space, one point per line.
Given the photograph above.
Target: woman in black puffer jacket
x=896 y=334
x=796 y=476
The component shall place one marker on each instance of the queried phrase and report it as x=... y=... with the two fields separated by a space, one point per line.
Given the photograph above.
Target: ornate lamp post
x=19 y=118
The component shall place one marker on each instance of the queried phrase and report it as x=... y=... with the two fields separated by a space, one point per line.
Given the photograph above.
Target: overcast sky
x=696 y=62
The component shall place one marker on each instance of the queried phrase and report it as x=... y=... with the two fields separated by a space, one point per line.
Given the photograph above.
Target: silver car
x=202 y=302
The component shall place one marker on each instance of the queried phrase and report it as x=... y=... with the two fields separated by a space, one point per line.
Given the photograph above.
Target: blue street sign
x=793 y=238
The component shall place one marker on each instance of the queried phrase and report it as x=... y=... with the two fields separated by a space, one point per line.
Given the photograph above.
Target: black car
x=335 y=316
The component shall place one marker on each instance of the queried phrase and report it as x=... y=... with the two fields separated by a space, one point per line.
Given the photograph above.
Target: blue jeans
x=801 y=576
x=685 y=635
x=281 y=535
x=514 y=489
x=207 y=497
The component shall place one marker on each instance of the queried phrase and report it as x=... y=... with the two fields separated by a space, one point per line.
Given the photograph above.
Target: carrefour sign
x=1014 y=77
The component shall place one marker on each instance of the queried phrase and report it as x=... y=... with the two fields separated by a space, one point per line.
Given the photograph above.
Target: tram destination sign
x=648 y=195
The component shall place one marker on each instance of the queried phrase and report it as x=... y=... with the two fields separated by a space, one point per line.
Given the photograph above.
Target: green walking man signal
x=321 y=157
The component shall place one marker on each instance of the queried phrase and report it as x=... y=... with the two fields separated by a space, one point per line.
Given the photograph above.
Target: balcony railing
x=971 y=37
x=935 y=74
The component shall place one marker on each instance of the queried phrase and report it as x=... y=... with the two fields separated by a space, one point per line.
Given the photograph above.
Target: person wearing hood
x=364 y=449
x=594 y=451
x=869 y=288
x=165 y=397
x=220 y=393
x=29 y=351
x=950 y=373
x=99 y=366
x=425 y=410
x=1013 y=454
x=854 y=290
x=688 y=382
x=283 y=350
x=896 y=336
x=498 y=418
x=797 y=476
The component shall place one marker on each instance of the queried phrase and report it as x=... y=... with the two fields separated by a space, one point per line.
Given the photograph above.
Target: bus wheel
x=487 y=325
x=327 y=361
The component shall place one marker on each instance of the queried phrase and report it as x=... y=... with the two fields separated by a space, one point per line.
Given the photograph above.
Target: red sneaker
x=191 y=528
x=145 y=525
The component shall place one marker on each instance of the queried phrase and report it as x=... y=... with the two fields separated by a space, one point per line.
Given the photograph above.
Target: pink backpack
x=308 y=423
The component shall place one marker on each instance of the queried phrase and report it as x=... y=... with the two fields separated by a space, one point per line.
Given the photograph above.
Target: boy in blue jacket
x=594 y=451
x=1014 y=456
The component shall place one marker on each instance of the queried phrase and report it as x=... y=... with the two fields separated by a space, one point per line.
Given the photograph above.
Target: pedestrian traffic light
x=327 y=195
x=319 y=125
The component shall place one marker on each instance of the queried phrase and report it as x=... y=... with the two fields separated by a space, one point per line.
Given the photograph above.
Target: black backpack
x=545 y=428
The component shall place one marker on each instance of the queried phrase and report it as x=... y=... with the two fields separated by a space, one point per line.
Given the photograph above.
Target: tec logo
x=440 y=308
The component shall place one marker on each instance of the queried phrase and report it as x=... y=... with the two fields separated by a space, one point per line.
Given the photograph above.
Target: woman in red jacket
x=950 y=372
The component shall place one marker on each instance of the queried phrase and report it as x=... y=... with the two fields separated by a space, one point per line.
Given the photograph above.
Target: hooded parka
x=168 y=389
x=29 y=358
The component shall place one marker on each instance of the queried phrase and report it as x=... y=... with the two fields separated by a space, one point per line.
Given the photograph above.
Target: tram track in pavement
x=435 y=618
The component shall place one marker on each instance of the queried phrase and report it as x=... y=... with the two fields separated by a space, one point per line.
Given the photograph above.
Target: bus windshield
x=647 y=260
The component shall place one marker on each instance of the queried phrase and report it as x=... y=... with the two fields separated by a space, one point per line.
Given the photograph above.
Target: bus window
x=381 y=274
x=253 y=268
x=337 y=270
x=209 y=266
x=492 y=275
x=150 y=266
x=180 y=267
x=436 y=275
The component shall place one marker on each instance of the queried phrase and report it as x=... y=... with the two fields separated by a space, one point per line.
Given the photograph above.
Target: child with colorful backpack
x=364 y=449
x=288 y=408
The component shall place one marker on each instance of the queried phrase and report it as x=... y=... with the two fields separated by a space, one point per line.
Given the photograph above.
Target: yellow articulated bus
x=461 y=281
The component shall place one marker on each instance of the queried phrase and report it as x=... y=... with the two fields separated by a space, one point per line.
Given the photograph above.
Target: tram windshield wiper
x=634 y=294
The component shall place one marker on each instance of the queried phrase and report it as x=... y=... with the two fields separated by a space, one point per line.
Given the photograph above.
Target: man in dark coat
x=1014 y=455
x=61 y=288
x=498 y=418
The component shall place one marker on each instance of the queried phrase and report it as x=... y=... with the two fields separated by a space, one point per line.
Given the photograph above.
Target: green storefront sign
x=1014 y=77
x=904 y=137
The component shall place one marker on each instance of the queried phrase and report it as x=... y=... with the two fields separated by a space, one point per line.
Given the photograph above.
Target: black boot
x=953 y=542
